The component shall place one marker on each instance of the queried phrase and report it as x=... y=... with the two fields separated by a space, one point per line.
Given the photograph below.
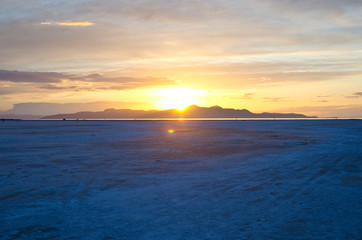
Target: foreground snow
x=296 y=179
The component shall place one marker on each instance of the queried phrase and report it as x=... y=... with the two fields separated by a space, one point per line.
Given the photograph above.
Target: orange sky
x=274 y=56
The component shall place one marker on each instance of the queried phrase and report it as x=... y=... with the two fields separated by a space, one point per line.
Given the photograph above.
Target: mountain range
x=192 y=111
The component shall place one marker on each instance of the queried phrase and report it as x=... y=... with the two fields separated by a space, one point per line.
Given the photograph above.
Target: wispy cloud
x=50 y=86
x=99 y=77
x=37 y=77
x=69 y=23
x=245 y=96
x=355 y=95
x=275 y=99
x=324 y=96
x=56 y=81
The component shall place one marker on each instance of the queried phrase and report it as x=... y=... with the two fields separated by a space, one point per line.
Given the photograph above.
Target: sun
x=177 y=98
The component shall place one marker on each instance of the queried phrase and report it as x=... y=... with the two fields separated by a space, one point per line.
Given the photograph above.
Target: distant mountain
x=45 y=108
x=192 y=111
x=20 y=116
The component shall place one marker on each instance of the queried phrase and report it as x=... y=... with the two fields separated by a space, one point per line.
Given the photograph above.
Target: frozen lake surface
x=298 y=179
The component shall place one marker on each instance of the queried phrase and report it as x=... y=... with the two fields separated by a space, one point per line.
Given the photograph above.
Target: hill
x=192 y=111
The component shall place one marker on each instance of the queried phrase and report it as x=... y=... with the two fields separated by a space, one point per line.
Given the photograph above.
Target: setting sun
x=177 y=98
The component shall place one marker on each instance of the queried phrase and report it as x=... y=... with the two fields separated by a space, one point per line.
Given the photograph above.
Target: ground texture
x=297 y=179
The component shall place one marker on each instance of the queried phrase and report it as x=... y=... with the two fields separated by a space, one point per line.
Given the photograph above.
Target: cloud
x=141 y=30
x=36 y=77
x=69 y=23
x=145 y=81
x=355 y=95
x=46 y=108
x=246 y=96
x=275 y=99
x=55 y=87
x=7 y=91
x=188 y=11
x=56 y=81
x=54 y=77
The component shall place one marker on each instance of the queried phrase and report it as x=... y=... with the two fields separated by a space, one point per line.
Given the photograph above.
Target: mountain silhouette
x=191 y=111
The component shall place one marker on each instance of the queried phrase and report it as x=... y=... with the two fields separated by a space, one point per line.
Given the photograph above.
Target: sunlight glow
x=177 y=98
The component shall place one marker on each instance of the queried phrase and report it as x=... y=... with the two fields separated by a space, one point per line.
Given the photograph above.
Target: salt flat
x=298 y=179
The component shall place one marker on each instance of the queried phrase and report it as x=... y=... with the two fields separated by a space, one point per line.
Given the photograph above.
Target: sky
x=261 y=55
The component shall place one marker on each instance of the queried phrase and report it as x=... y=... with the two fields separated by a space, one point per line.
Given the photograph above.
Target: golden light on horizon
x=177 y=98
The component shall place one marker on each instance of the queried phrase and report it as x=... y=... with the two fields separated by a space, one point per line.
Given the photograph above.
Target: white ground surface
x=296 y=179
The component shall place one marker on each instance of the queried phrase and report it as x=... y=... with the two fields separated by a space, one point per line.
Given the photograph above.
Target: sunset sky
x=262 y=55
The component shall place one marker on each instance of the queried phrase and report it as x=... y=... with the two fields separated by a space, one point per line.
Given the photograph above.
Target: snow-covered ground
x=298 y=179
